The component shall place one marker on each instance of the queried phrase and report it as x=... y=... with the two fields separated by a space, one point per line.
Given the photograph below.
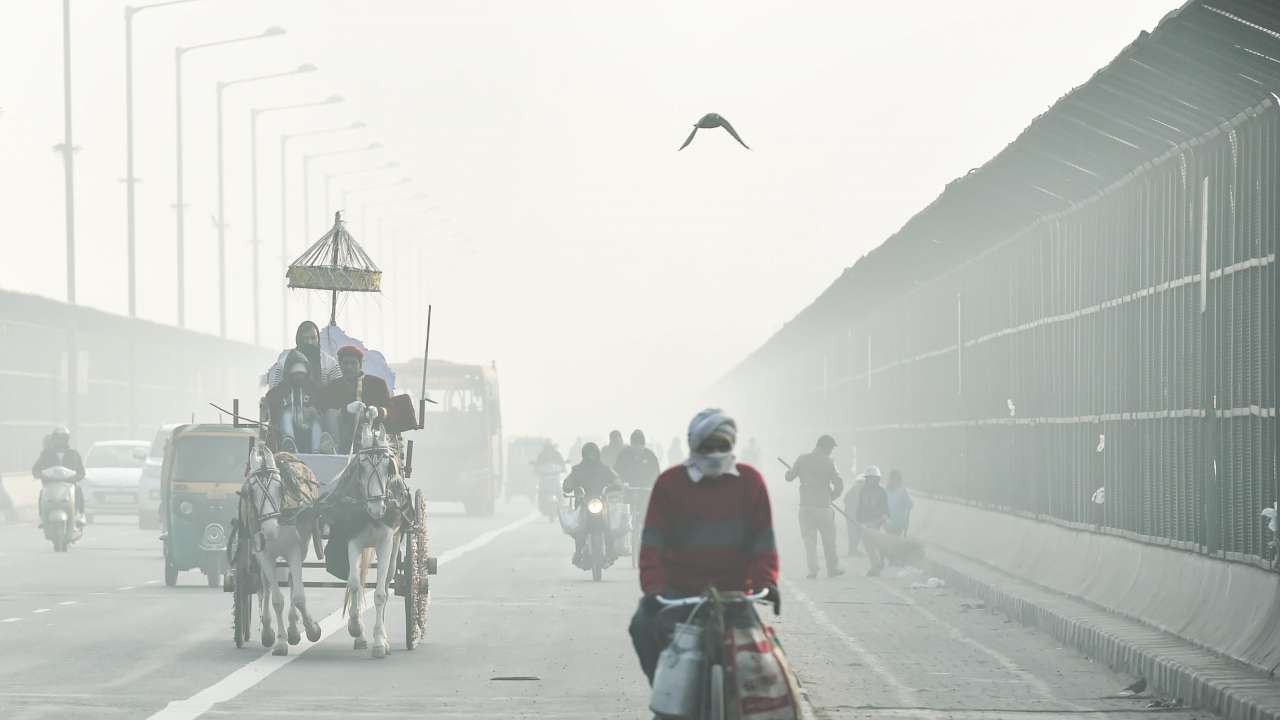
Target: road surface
x=94 y=633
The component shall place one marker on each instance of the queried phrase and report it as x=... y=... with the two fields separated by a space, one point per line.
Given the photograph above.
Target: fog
x=561 y=235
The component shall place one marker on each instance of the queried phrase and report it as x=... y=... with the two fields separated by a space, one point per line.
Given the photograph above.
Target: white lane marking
x=11 y=620
x=256 y=671
x=904 y=694
x=151 y=582
x=37 y=611
x=126 y=587
x=67 y=602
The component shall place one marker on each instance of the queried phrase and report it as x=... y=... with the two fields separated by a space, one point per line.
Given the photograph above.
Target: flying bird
x=709 y=121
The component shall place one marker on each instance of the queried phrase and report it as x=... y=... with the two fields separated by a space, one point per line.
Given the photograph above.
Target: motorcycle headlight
x=185 y=507
x=595 y=506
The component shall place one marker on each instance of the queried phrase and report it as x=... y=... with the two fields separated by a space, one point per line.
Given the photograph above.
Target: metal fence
x=1125 y=340
x=107 y=377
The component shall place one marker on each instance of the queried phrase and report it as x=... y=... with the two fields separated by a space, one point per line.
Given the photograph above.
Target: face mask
x=711 y=464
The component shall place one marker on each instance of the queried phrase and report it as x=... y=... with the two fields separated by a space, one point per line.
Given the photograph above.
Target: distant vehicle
x=460 y=450
x=149 y=483
x=112 y=470
x=202 y=473
x=522 y=476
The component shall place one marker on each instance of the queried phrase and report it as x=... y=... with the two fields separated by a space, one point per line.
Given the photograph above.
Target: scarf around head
x=705 y=424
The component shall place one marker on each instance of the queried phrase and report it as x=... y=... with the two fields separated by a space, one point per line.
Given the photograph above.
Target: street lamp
x=254 y=114
x=129 y=180
x=180 y=205
x=284 y=206
x=221 y=219
x=330 y=177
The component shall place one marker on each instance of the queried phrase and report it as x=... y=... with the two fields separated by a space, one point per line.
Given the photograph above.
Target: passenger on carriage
x=293 y=408
x=322 y=367
x=343 y=398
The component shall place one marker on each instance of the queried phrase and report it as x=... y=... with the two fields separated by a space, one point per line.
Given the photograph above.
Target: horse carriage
x=356 y=509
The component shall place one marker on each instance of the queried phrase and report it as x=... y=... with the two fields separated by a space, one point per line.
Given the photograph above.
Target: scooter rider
x=709 y=523
x=59 y=452
x=593 y=477
x=637 y=465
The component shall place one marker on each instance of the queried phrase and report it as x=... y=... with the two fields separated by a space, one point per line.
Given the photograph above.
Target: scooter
x=58 y=507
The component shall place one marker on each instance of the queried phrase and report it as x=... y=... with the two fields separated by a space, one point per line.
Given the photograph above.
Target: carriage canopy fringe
x=336 y=262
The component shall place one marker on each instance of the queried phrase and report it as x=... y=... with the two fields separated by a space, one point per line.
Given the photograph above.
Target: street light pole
x=222 y=220
x=180 y=206
x=130 y=179
x=68 y=156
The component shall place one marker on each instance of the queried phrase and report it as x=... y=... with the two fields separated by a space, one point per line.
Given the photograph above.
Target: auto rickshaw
x=203 y=470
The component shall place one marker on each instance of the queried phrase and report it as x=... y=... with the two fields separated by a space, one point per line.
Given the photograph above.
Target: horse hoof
x=313 y=633
x=295 y=637
x=280 y=650
x=360 y=644
x=378 y=652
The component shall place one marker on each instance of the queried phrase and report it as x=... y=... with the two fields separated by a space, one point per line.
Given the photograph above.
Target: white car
x=111 y=473
x=149 y=485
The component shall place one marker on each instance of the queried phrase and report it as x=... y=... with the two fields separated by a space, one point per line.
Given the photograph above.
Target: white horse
x=373 y=481
x=276 y=531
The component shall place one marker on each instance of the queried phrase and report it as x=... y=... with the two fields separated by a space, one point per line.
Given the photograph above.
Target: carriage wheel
x=242 y=595
x=413 y=576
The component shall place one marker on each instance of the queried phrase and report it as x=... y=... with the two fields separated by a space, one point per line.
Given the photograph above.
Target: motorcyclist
x=709 y=524
x=549 y=456
x=637 y=465
x=611 y=451
x=59 y=452
x=593 y=477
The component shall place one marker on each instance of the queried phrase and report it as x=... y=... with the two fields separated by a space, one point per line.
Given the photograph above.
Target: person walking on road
x=873 y=510
x=820 y=484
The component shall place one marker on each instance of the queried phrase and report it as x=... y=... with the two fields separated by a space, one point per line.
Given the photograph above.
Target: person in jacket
x=899 y=503
x=321 y=366
x=675 y=453
x=820 y=484
x=709 y=524
x=637 y=465
x=873 y=511
x=593 y=478
x=609 y=454
x=344 y=398
x=291 y=406
x=58 y=452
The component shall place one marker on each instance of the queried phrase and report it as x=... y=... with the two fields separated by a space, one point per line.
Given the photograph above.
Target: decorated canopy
x=336 y=262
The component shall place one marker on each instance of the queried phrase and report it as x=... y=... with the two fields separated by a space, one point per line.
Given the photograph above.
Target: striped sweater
x=717 y=532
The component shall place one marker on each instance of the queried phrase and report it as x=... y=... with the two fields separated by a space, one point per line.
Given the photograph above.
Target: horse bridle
x=373 y=458
x=261 y=479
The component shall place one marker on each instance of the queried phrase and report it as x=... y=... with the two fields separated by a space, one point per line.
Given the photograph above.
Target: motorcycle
x=548 y=489
x=58 y=507
x=597 y=553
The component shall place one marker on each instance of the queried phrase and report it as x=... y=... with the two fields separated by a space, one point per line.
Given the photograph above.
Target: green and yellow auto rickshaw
x=203 y=469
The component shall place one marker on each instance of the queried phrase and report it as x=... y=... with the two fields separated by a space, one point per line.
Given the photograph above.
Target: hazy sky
x=610 y=277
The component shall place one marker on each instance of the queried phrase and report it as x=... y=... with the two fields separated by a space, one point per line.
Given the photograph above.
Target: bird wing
x=688 y=139
x=727 y=126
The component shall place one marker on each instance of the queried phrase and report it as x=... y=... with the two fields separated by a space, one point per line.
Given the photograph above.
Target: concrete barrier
x=1229 y=608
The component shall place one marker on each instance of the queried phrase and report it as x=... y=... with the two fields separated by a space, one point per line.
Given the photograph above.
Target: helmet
x=637 y=437
x=826 y=442
x=872 y=472
x=590 y=451
x=61 y=431
x=615 y=436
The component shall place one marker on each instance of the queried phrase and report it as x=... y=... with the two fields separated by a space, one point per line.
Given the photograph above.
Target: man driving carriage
x=344 y=398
